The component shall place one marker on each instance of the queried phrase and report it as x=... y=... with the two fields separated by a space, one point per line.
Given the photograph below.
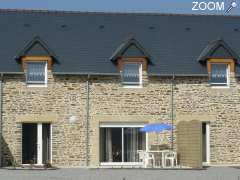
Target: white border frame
x=51 y=142
x=46 y=76
x=207 y=144
x=122 y=126
x=140 y=76
x=222 y=85
x=39 y=144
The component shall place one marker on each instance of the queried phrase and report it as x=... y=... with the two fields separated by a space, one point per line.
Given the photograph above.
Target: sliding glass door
x=121 y=144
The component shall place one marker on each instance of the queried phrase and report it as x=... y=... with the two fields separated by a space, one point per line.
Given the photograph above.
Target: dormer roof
x=36 y=47
x=218 y=49
x=130 y=48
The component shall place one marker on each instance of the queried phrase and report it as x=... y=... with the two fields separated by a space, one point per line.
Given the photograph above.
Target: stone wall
x=65 y=97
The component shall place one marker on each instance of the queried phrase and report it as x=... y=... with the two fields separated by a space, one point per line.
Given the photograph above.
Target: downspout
x=172 y=109
x=87 y=120
x=1 y=100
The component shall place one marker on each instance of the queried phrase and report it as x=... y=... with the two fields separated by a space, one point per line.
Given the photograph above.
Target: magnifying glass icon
x=232 y=5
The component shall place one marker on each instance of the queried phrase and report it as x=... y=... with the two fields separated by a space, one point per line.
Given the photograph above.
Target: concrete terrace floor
x=212 y=173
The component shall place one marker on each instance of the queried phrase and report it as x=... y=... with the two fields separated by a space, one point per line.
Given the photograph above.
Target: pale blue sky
x=165 y=6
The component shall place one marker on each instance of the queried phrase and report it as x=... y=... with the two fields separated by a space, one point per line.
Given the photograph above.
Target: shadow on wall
x=7 y=157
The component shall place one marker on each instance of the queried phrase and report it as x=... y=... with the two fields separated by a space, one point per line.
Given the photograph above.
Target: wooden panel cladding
x=230 y=62
x=143 y=61
x=189 y=143
x=26 y=59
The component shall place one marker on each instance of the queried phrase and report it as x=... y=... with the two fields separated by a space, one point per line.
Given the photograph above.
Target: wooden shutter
x=189 y=143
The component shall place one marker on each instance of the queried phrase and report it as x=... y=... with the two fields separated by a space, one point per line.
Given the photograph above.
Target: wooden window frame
x=26 y=59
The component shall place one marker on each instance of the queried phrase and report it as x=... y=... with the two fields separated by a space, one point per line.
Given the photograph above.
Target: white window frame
x=128 y=84
x=122 y=126
x=32 y=84
x=207 y=145
x=221 y=85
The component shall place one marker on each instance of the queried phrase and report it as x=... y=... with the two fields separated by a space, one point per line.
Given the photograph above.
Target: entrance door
x=205 y=143
x=36 y=143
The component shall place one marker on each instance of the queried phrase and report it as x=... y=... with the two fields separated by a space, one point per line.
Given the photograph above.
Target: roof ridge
x=107 y=12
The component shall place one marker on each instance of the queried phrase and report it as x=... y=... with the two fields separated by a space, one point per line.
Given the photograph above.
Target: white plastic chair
x=141 y=155
x=171 y=157
x=149 y=157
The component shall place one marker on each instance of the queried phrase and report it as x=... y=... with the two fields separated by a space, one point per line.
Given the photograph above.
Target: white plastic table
x=162 y=152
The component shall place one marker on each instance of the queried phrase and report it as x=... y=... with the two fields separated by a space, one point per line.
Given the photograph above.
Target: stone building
x=77 y=87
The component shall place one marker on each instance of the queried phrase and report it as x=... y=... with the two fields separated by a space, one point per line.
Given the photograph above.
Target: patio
x=212 y=173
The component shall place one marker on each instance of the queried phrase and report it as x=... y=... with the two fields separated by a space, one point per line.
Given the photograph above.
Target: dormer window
x=132 y=74
x=36 y=59
x=36 y=72
x=219 y=75
x=132 y=61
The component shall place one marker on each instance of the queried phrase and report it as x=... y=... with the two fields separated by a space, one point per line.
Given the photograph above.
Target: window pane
x=36 y=72
x=134 y=140
x=111 y=149
x=219 y=73
x=111 y=144
x=131 y=73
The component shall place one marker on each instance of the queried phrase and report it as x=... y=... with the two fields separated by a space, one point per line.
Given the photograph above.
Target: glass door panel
x=111 y=144
x=134 y=140
x=121 y=144
x=29 y=143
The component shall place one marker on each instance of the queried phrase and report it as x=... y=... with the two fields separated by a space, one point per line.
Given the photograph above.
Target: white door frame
x=50 y=143
x=39 y=143
x=122 y=126
x=207 y=162
x=208 y=142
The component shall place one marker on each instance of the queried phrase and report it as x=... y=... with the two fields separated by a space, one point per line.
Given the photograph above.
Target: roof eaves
x=179 y=75
x=86 y=73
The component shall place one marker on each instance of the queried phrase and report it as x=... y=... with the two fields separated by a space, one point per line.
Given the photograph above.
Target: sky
x=161 y=6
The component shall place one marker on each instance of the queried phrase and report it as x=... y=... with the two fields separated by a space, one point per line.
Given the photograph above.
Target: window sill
x=220 y=87
x=132 y=87
x=36 y=85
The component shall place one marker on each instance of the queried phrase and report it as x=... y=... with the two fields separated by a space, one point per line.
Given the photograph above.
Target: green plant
x=14 y=163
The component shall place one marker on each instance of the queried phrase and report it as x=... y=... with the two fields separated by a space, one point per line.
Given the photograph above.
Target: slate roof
x=84 y=42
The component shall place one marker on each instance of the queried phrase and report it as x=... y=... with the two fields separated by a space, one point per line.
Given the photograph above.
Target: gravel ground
x=213 y=173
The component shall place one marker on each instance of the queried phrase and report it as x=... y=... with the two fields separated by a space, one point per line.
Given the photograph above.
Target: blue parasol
x=156 y=127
